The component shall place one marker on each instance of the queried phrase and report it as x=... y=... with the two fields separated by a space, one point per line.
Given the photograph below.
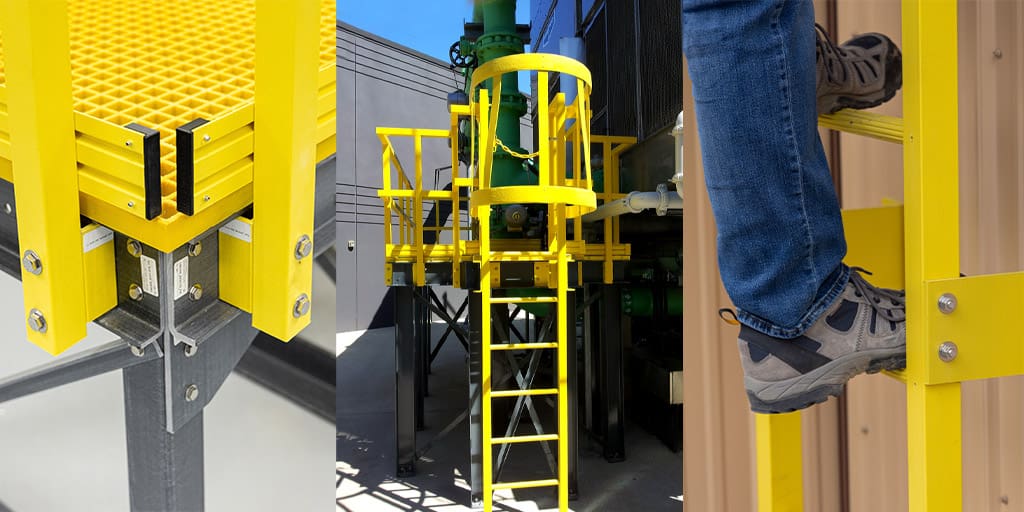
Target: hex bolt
x=195 y=248
x=36 y=320
x=303 y=247
x=32 y=263
x=134 y=248
x=138 y=351
x=196 y=292
x=190 y=350
x=135 y=291
x=947 y=351
x=301 y=306
x=997 y=53
x=206 y=138
x=191 y=393
x=947 y=303
x=131 y=204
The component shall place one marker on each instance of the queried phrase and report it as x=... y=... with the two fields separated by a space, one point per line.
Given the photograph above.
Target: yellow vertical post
x=287 y=59
x=779 y=463
x=42 y=131
x=483 y=213
x=562 y=319
x=931 y=191
x=544 y=161
x=418 y=270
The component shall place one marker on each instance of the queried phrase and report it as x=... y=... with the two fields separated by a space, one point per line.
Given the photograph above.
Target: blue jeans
x=780 y=234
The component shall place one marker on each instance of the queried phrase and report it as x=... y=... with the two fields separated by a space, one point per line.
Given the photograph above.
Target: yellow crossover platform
x=163 y=96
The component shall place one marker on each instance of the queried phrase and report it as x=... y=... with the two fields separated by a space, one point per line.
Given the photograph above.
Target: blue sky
x=430 y=26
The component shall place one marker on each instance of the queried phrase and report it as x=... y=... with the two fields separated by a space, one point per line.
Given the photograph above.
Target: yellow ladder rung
x=523 y=300
x=524 y=346
x=525 y=439
x=525 y=484
x=523 y=392
x=868 y=124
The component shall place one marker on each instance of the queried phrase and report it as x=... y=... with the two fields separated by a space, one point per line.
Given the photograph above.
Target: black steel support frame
x=610 y=374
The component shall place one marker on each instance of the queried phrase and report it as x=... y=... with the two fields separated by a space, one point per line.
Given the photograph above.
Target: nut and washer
x=301 y=306
x=947 y=303
x=32 y=263
x=191 y=393
x=196 y=292
x=303 y=247
x=190 y=350
x=195 y=248
x=947 y=351
x=134 y=248
x=36 y=320
x=135 y=291
x=138 y=351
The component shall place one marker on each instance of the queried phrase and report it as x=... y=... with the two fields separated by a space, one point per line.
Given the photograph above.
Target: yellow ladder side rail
x=562 y=318
x=545 y=160
x=931 y=220
x=483 y=213
x=779 y=462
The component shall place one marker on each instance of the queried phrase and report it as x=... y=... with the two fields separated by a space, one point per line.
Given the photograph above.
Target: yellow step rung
x=523 y=392
x=550 y=482
x=868 y=124
x=524 y=439
x=523 y=300
x=524 y=346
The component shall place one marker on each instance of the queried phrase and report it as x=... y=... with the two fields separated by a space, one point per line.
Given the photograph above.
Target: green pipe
x=639 y=301
x=500 y=39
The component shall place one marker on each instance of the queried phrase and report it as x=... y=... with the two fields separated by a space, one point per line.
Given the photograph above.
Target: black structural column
x=476 y=446
x=405 y=380
x=573 y=401
x=611 y=373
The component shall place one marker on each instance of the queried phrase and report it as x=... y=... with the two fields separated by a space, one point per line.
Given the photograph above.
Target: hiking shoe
x=863 y=72
x=864 y=331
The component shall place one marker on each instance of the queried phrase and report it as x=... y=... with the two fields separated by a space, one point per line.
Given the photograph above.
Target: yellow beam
x=779 y=463
x=868 y=124
x=287 y=60
x=38 y=71
x=931 y=192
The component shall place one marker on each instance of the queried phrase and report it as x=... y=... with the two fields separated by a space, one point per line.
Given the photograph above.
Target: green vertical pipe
x=500 y=39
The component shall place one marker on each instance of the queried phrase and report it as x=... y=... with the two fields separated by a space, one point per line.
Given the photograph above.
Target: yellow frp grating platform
x=163 y=64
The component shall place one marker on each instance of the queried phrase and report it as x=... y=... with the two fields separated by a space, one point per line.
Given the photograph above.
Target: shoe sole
x=817 y=386
x=893 y=83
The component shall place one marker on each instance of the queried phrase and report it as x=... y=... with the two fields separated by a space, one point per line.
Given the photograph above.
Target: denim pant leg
x=780 y=234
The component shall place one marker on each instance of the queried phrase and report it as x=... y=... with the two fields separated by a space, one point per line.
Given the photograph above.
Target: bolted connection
x=302 y=305
x=32 y=263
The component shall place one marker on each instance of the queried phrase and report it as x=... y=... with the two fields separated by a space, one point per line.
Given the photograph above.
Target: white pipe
x=635 y=202
x=677 y=132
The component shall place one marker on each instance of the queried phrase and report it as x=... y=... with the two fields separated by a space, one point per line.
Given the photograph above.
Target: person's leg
x=780 y=236
x=809 y=323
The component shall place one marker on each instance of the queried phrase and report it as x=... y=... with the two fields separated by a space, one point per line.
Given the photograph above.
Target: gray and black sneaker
x=863 y=72
x=864 y=331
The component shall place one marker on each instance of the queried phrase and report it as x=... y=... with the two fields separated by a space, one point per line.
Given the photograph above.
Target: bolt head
x=131 y=204
x=36 y=320
x=138 y=351
x=134 y=248
x=303 y=247
x=32 y=263
x=195 y=248
x=947 y=351
x=128 y=143
x=7 y=208
x=947 y=303
x=135 y=291
x=196 y=292
x=190 y=350
x=302 y=305
x=206 y=138
x=191 y=393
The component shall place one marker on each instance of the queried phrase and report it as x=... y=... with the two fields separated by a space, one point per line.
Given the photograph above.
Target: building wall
x=718 y=451
x=382 y=84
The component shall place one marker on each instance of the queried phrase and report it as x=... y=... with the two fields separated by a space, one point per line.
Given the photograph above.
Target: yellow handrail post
x=779 y=463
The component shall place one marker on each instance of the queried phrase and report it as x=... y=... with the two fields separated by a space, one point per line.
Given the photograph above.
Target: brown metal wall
x=718 y=448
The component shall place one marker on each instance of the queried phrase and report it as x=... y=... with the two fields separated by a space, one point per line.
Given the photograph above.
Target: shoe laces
x=830 y=56
x=889 y=304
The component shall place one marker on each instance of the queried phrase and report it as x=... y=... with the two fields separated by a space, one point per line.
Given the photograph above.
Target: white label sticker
x=149 y=279
x=180 y=278
x=238 y=229
x=96 y=238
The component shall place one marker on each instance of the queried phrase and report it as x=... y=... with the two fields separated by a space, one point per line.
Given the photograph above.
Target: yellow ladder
x=568 y=193
x=951 y=337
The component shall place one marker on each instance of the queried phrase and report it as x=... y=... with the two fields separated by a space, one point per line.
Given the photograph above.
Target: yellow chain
x=513 y=153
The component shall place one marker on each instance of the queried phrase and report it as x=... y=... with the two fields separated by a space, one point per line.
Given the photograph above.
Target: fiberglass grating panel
x=162 y=64
x=660 y=54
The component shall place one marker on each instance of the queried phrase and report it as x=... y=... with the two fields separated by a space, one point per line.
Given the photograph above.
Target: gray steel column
x=405 y=385
x=476 y=446
x=421 y=331
x=611 y=373
x=165 y=471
